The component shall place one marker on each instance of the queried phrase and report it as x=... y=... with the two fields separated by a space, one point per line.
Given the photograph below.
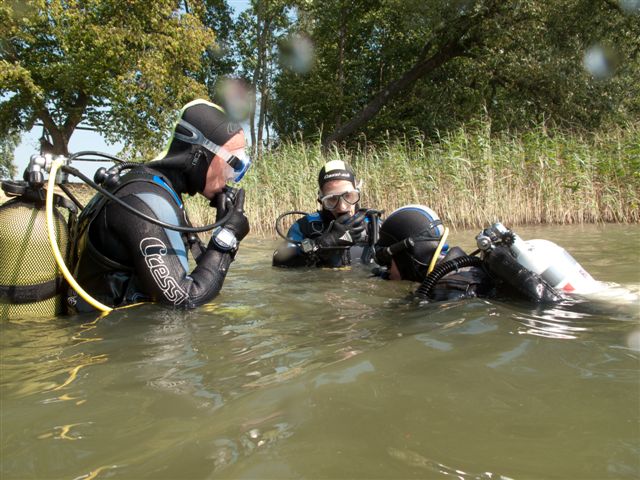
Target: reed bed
x=470 y=177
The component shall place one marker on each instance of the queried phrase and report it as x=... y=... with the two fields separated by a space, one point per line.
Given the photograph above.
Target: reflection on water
x=333 y=374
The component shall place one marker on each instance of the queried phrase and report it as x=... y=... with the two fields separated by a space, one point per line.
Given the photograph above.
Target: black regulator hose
x=369 y=212
x=278 y=227
x=441 y=270
x=177 y=228
x=105 y=156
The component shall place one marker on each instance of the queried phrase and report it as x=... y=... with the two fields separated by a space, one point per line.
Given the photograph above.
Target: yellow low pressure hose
x=436 y=254
x=54 y=244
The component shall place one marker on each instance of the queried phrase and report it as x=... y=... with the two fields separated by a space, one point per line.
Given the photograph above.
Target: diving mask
x=239 y=161
x=331 y=201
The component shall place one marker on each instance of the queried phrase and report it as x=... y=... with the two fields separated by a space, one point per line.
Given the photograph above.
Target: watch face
x=226 y=239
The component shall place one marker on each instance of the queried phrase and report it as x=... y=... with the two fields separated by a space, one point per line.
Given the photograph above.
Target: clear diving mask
x=331 y=201
x=239 y=162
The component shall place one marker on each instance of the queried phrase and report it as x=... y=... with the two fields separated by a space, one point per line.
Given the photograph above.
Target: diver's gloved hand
x=237 y=221
x=345 y=231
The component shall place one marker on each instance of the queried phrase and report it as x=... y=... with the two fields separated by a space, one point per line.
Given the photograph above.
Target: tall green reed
x=469 y=176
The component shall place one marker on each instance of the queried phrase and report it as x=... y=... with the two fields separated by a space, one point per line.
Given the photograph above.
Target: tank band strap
x=31 y=293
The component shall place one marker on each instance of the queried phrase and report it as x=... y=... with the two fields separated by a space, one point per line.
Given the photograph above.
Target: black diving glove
x=232 y=199
x=345 y=231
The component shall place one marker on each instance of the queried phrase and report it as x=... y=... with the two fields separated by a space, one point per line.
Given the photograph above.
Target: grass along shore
x=468 y=177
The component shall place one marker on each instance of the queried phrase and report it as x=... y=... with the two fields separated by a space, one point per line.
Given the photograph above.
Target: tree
x=393 y=66
x=259 y=30
x=219 y=59
x=120 y=67
x=8 y=144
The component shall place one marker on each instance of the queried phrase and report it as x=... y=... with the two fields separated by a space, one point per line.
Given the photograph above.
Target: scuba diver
x=123 y=259
x=412 y=246
x=335 y=235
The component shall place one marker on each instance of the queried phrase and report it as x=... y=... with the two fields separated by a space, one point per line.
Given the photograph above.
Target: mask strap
x=196 y=137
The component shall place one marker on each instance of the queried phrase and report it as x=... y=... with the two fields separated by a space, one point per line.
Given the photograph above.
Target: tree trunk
x=254 y=83
x=342 y=36
x=456 y=46
x=420 y=69
x=60 y=135
x=264 y=85
x=264 y=98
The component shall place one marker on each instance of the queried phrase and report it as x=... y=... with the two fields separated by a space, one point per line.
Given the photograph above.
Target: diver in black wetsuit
x=124 y=259
x=335 y=235
x=412 y=244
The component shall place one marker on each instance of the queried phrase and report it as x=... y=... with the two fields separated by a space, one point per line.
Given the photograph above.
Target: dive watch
x=224 y=239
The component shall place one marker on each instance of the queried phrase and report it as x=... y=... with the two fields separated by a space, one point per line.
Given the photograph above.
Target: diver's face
x=338 y=187
x=219 y=172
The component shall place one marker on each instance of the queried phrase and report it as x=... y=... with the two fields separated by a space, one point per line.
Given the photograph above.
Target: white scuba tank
x=557 y=267
x=554 y=264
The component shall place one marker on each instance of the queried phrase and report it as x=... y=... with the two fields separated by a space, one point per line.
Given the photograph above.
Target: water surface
x=333 y=374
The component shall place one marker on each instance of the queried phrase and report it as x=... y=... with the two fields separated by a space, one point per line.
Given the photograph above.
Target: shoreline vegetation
x=470 y=177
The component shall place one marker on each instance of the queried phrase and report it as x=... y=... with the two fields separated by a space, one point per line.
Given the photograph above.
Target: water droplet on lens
x=630 y=6
x=233 y=95
x=599 y=62
x=297 y=54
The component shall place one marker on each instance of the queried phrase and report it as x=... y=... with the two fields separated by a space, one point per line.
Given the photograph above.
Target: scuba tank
x=31 y=285
x=552 y=262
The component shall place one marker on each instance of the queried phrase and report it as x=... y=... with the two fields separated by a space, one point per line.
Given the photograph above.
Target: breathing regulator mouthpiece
x=383 y=255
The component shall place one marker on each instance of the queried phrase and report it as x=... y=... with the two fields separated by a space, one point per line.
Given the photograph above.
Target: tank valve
x=484 y=243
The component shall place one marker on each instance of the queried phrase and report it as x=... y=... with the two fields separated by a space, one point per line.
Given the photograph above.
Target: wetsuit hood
x=185 y=161
x=335 y=170
x=425 y=229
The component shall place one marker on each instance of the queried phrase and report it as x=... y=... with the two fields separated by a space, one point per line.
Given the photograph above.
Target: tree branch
x=455 y=46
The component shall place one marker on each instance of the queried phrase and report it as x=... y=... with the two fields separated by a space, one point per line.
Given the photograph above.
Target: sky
x=83 y=139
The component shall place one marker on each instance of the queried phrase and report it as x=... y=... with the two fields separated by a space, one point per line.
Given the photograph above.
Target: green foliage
x=122 y=67
x=8 y=143
x=522 y=64
x=218 y=59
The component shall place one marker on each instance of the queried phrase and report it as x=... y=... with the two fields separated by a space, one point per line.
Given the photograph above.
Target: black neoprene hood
x=416 y=222
x=186 y=164
x=210 y=119
x=335 y=170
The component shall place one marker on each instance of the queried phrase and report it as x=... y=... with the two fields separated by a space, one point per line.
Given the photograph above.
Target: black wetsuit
x=124 y=259
x=311 y=227
x=465 y=282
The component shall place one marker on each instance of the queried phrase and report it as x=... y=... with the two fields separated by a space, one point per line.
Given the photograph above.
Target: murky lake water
x=332 y=374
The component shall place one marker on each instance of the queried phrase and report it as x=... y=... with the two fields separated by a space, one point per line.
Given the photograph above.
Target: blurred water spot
x=630 y=6
x=234 y=95
x=633 y=340
x=297 y=54
x=600 y=62
x=219 y=49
